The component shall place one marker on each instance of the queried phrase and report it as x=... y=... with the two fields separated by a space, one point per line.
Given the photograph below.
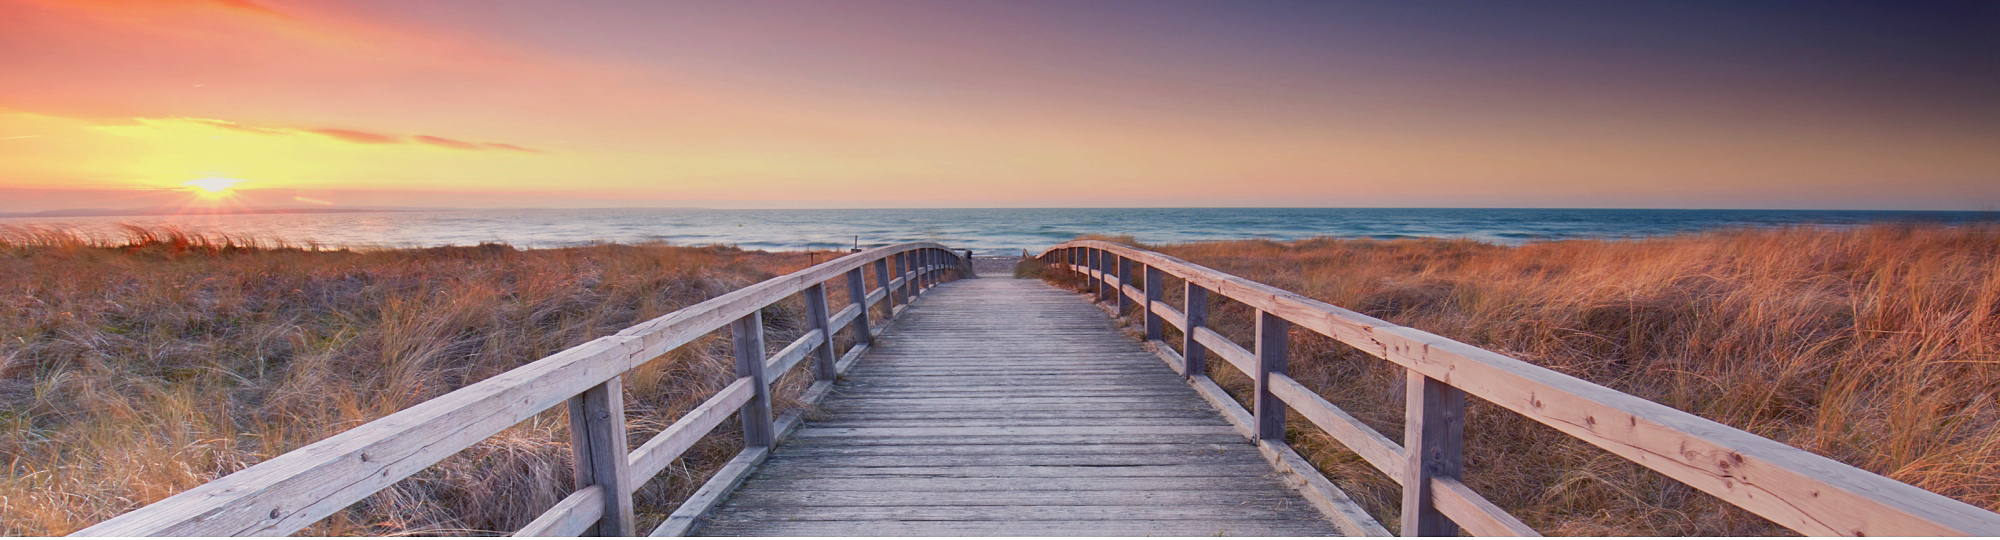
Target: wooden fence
x=1800 y=490
x=294 y=490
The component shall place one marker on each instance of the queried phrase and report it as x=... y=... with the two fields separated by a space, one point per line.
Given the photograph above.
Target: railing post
x=902 y=292
x=1272 y=334
x=1124 y=278
x=597 y=444
x=1153 y=324
x=857 y=294
x=1196 y=308
x=929 y=256
x=816 y=316
x=1433 y=438
x=1107 y=263
x=747 y=337
x=882 y=278
x=1090 y=257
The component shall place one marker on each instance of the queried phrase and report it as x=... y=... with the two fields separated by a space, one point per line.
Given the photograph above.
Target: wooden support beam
x=747 y=337
x=857 y=295
x=1124 y=279
x=902 y=276
x=597 y=442
x=1195 y=312
x=572 y=516
x=1433 y=439
x=882 y=281
x=1273 y=334
x=1153 y=322
x=816 y=318
x=651 y=458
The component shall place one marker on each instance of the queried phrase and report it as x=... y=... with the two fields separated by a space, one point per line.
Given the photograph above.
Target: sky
x=824 y=104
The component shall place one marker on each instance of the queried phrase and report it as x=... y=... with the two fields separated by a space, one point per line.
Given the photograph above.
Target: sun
x=213 y=186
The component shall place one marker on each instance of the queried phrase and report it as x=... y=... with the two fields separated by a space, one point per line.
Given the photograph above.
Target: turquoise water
x=984 y=230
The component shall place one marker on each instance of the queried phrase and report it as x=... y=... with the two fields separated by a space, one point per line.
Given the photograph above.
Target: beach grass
x=136 y=367
x=1877 y=346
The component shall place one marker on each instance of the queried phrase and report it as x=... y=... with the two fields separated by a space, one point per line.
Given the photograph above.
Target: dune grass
x=1876 y=346
x=134 y=368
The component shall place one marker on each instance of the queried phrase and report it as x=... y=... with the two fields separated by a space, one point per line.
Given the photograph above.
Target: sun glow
x=213 y=186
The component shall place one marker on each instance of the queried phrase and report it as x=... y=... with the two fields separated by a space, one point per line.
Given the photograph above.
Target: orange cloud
x=505 y=146
x=447 y=143
x=225 y=124
x=359 y=137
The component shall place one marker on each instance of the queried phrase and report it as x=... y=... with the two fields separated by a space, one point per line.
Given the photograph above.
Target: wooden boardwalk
x=1008 y=407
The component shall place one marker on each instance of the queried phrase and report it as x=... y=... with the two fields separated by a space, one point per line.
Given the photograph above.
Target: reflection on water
x=980 y=229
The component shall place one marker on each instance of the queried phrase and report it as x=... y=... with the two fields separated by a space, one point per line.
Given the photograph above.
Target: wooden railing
x=1797 y=489
x=291 y=491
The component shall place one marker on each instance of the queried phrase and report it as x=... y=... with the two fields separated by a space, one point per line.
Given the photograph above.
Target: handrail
x=1806 y=492
x=291 y=491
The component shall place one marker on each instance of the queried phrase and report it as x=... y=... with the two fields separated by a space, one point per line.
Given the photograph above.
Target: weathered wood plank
x=1473 y=512
x=1217 y=527
x=838 y=471
x=789 y=356
x=668 y=445
x=712 y=492
x=572 y=516
x=1152 y=304
x=1154 y=497
x=597 y=445
x=1377 y=449
x=1273 y=338
x=747 y=340
x=1433 y=438
x=1244 y=360
x=1194 y=356
x=858 y=299
x=1014 y=514
x=1015 y=430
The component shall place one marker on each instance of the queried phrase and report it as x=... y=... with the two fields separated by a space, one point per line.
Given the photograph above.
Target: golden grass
x=1876 y=346
x=134 y=368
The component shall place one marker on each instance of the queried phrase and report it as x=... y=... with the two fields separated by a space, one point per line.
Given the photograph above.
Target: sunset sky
x=824 y=104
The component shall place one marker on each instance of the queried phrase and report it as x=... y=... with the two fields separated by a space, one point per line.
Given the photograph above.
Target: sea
x=995 y=231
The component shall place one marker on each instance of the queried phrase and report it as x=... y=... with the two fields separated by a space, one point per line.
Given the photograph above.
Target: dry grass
x=1877 y=346
x=134 y=368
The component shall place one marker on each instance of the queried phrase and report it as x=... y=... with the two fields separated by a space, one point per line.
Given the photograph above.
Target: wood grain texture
x=1433 y=442
x=653 y=456
x=1152 y=304
x=1377 y=449
x=1273 y=346
x=1473 y=512
x=572 y=516
x=993 y=390
x=1808 y=493
x=598 y=451
x=858 y=301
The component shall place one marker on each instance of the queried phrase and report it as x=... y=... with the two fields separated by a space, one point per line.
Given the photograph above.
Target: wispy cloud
x=353 y=135
x=359 y=137
x=447 y=143
x=225 y=124
x=505 y=146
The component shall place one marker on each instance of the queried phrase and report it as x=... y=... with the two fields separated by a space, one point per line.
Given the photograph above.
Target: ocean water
x=983 y=230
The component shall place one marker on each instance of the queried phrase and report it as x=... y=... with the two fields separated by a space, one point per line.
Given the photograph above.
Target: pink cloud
x=447 y=143
x=361 y=137
x=225 y=124
x=505 y=146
